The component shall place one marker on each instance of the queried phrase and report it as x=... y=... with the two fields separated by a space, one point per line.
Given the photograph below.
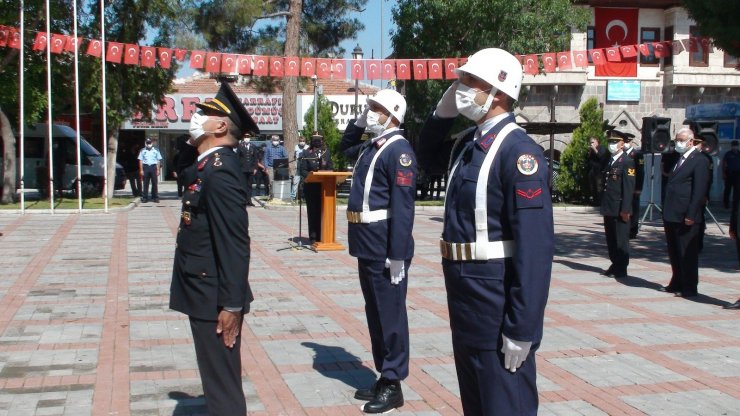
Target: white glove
x=446 y=108
x=515 y=352
x=362 y=119
x=397 y=270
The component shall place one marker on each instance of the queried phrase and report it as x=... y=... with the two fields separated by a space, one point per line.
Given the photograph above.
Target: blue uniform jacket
x=393 y=188
x=519 y=208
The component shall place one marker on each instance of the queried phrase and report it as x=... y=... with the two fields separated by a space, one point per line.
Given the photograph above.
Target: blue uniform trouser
x=387 y=321
x=150 y=175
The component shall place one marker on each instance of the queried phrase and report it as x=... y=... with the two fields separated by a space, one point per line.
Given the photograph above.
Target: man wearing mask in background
x=683 y=215
x=248 y=162
x=380 y=212
x=731 y=173
x=210 y=276
x=313 y=159
x=150 y=161
x=596 y=158
x=639 y=165
x=299 y=148
x=498 y=237
x=273 y=151
x=617 y=204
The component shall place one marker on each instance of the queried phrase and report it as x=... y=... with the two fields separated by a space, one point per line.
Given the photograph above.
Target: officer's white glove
x=515 y=352
x=446 y=107
x=397 y=270
x=362 y=119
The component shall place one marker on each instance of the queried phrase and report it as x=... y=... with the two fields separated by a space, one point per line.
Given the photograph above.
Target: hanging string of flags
x=371 y=69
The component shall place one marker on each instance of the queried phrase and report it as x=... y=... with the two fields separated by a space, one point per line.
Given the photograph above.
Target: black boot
x=388 y=396
x=367 y=394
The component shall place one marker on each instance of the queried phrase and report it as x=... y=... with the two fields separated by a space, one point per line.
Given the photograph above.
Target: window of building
x=701 y=56
x=590 y=36
x=668 y=60
x=649 y=35
x=730 y=61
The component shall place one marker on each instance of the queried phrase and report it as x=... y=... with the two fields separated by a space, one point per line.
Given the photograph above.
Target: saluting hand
x=446 y=107
x=228 y=326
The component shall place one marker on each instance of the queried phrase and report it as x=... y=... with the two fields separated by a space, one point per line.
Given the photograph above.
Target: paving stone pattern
x=85 y=327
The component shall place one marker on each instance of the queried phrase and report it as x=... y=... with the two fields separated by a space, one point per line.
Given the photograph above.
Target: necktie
x=680 y=162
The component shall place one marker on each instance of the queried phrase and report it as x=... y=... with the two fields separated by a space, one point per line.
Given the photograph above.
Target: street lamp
x=315 y=80
x=357 y=55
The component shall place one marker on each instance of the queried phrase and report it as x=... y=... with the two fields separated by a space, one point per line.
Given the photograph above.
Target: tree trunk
x=112 y=151
x=290 y=84
x=9 y=161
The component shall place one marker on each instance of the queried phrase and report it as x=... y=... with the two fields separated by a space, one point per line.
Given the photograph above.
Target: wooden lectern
x=329 y=181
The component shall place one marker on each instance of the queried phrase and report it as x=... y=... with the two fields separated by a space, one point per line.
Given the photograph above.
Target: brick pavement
x=85 y=328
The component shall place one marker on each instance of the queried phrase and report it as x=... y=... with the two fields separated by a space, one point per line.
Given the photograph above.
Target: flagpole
x=49 y=117
x=77 y=108
x=21 y=114
x=104 y=107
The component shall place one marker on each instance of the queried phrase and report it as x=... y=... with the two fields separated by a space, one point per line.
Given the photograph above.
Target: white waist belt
x=366 y=217
x=467 y=251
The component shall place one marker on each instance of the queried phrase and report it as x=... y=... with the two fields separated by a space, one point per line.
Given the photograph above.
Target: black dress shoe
x=144 y=200
x=367 y=394
x=619 y=276
x=735 y=305
x=608 y=272
x=389 y=396
x=667 y=289
x=686 y=294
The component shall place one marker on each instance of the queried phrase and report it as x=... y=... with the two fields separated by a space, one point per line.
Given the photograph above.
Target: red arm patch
x=529 y=194
x=404 y=178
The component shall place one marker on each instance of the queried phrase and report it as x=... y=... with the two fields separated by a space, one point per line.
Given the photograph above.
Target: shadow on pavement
x=188 y=405
x=332 y=362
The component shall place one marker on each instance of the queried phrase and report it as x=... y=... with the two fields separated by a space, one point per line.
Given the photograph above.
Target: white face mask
x=149 y=146
x=466 y=105
x=614 y=148
x=196 y=125
x=247 y=140
x=373 y=123
x=627 y=146
x=301 y=145
x=275 y=143
x=682 y=147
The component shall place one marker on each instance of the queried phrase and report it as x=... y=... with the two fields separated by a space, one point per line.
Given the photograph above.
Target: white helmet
x=392 y=101
x=498 y=68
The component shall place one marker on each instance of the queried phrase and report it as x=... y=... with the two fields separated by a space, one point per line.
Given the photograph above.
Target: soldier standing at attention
x=639 y=162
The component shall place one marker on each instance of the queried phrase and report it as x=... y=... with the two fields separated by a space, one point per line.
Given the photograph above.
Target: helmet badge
x=502 y=76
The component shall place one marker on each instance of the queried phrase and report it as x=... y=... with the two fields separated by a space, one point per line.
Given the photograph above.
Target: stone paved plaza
x=85 y=328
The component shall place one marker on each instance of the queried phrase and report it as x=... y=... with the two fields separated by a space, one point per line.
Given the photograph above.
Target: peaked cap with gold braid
x=228 y=104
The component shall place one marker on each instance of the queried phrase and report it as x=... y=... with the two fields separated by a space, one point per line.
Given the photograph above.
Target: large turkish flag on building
x=616 y=27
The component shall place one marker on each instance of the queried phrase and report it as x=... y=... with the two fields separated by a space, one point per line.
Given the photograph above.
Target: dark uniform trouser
x=684 y=243
x=385 y=309
x=312 y=195
x=248 y=176
x=617 y=243
x=150 y=175
x=635 y=215
x=220 y=370
x=733 y=181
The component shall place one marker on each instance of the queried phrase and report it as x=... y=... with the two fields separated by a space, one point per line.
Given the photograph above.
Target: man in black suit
x=616 y=205
x=248 y=162
x=597 y=156
x=211 y=267
x=683 y=214
x=639 y=162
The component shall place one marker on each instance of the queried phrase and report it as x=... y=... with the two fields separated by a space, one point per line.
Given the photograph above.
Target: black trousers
x=150 y=175
x=312 y=196
x=732 y=182
x=135 y=181
x=220 y=370
x=635 y=218
x=595 y=187
x=387 y=321
x=617 y=243
x=248 y=176
x=684 y=245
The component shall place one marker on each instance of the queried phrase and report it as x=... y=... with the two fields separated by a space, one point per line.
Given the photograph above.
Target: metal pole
x=357 y=86
x=105 y=108
x=314 y=78
x=77 y=108
x=21 y=112
x=49 y=114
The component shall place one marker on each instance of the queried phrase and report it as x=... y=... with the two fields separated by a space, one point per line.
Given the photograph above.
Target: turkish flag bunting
x=58 y=42
x=356 y=69
x=612 y=54
x=531 y=65
x=276 y=66
x=165 y=57
x=706 y=44
x=435 y=69
x=564 y=61
x=243 y=64
x=676 y=47
x=132 y=55
x=228 y=62
x=661 y=49
x=213 y=62
x=261 y=66
x=3 y=35
x=450 y=67
x=373 y=69
x=549 y=60
x=69 y=44
x=197 y=59
x=403 y=69
x=597 y=56
x=148 y=57
x=40 y=43
x=628 y=51
x=580 y=58
x=114 y=52
x=323 y=68
x=420 y=68
x=644 y=49
x=308 y=67
x=94 y=48
x=388 y=69
x=339 y=68
x=180 y=54
x=14 y=38
x=292 y=66
x=615 y=27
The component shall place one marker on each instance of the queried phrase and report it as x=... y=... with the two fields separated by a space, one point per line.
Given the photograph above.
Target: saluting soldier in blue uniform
x=211 y=266
x=380 y=212
x=498 y=240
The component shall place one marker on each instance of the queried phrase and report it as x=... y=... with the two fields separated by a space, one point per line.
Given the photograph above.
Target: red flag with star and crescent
x=616 y=27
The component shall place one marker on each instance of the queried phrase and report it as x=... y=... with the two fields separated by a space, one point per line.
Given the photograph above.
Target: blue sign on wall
x=622 y=90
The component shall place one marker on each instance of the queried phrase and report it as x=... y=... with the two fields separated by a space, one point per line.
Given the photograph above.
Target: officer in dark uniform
x=380 y=212
x=498 y=240
x=312 y=159
x=617 y=204
x=211 y=266
x=248 y=163
x=731 y=173
x=639 y=162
